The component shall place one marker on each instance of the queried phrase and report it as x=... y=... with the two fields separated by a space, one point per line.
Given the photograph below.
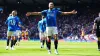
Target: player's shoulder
x=17 y=17
x=44 y=19
x=96 y=19
x=39 y=21
x=9 y=17
x=45 y=10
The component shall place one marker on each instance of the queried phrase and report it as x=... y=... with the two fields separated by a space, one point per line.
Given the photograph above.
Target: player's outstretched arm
x=67 y=13
x=33 y=13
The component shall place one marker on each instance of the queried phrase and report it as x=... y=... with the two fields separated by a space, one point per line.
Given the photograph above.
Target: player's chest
x=51 y=13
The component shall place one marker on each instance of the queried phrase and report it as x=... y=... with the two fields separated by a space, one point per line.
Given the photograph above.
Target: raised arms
x=67 y=13
x=43 y=12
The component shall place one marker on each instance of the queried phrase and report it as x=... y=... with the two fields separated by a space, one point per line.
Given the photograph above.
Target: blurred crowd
x=67 y=25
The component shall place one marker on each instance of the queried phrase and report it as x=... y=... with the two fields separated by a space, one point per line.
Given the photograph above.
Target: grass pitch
x=32 y=48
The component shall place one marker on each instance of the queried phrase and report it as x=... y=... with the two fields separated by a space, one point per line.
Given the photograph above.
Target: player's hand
x=28 y=13
x=23 y=27
x=74 y=12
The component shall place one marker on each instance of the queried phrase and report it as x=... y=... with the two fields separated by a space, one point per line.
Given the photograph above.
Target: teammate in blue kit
x=42 y=30
x=51 y=24
x=11 y=22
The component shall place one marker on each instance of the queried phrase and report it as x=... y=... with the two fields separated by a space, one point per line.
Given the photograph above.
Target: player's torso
x=12 y=23
x=51 y=17
x=98 y=24
x=42 y=25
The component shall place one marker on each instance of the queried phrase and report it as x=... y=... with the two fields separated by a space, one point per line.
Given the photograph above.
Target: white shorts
x=18 y=32
x=50 y=31
x=42 y=34
x=11 y=33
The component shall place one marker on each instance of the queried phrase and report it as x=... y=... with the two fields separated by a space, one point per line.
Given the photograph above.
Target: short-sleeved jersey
x=97 y=21
x=42 y=25
x=51 y=17
x=12 y=22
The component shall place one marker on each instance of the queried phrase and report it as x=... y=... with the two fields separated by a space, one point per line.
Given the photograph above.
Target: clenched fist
x=28 y=13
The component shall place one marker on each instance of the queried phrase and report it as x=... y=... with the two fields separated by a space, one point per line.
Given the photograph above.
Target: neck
x=50 y=8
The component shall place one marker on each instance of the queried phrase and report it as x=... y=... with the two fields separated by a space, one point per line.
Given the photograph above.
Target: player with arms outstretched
x=51 y=24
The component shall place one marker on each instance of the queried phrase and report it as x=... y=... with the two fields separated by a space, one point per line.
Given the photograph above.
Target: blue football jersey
x=51 y=16
x=12 y=22
x=19 y=22
x=42 y=25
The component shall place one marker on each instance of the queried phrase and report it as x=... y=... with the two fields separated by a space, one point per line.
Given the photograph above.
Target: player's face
x=51 y=5
x=14 y=13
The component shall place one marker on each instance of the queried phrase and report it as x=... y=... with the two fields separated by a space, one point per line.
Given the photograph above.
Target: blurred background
x=69 y=26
